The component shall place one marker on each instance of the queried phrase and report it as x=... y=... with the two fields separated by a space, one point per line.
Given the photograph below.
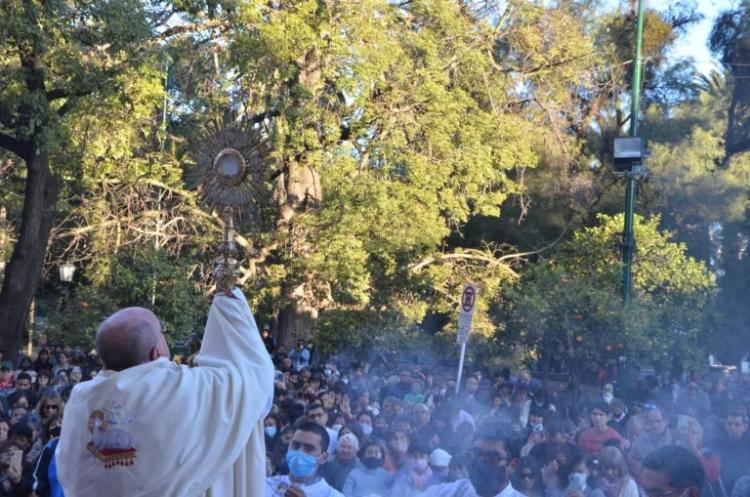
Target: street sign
x=466 y=314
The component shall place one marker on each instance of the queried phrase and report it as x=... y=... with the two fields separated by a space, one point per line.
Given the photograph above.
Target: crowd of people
x=33 y=394
x=381 y=430
x=353 y=428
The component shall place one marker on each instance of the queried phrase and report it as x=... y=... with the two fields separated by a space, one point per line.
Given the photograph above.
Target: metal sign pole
x=460 y=367
x=465 y=317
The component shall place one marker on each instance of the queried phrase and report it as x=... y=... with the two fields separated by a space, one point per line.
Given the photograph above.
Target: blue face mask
x=300 y=464
x=270 y=431
x=366 y=429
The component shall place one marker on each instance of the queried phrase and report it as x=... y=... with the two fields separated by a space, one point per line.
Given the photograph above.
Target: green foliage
x=730 y=39
x=570 y=304
x=417 y=144
x=137 y=277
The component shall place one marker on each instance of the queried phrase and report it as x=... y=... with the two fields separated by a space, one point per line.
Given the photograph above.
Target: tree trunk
x=545 y=368
x=24 y=269
x=294 y=322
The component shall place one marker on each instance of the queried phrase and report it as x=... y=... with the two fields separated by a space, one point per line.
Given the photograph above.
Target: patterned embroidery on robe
x=110 y=442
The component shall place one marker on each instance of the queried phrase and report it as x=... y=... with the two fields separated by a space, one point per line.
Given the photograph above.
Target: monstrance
x=230 y=174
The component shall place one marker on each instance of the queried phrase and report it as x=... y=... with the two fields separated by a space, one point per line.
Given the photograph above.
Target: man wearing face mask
x=365 y=422
x=490 y=463
x=305 y=456
x=608 y=393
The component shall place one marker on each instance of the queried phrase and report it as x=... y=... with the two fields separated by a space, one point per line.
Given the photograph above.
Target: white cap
x=439 y=457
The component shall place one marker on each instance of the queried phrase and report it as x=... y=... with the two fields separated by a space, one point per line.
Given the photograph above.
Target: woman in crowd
x=527 y=478
x=49 y=403
x=615 y=480
x=271 y=428
x=43 y=378
x=369 y=478
x=13 y=482
x=576 y=479
x=45 y=473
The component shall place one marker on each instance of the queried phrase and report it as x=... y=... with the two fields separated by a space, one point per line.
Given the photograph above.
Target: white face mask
x=578 y=481
x=366 y=429
x=608 y=396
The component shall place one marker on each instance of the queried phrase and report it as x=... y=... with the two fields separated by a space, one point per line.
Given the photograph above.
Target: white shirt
x=464 y=417
x=161 y=429
x=277 y=485
x=333 y=437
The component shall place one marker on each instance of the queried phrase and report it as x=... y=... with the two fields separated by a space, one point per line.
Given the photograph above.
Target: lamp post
x=629 y=161
x=636 y=169
x=67 y=270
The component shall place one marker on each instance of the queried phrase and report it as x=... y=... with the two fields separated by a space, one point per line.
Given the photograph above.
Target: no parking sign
x=466 y=314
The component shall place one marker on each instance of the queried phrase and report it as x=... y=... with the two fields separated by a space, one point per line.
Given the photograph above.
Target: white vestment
x=165 y=430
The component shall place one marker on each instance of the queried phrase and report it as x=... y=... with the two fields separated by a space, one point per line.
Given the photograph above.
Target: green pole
x=628 y=248
x=628 y=239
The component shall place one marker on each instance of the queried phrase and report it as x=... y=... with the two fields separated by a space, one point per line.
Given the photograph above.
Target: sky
x=695 y=42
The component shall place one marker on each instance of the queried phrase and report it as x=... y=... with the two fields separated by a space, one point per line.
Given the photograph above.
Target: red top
x=592 y=440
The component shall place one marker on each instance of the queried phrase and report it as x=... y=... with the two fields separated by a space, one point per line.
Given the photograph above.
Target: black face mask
x=54 y=432
x=486 y=478
x=372 y=462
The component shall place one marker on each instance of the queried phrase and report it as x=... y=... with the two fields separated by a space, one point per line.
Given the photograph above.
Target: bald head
x=130 y=337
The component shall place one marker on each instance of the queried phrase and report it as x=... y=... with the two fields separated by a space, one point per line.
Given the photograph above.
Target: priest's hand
x=295 y=492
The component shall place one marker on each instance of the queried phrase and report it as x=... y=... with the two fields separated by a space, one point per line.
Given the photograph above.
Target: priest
x=147 y=427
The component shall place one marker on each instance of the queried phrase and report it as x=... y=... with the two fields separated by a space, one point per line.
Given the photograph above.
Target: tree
x=570 y=306
x=702 y=198
x=730 y=39
x=389 y=134
x=55 y=56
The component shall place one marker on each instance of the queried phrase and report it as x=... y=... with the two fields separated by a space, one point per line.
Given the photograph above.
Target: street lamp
x=630 y=151
x=628 y=154
x=67 y=270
